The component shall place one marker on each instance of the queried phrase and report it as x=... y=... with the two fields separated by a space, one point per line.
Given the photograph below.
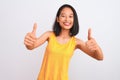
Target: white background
x=18 y=16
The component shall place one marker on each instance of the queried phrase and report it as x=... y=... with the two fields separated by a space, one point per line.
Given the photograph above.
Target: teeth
x=66 y=23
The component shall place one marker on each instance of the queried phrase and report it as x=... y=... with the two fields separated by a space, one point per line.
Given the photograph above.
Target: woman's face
x=66 y=18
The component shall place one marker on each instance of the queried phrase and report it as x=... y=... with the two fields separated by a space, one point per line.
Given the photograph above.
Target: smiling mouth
x=67 y=23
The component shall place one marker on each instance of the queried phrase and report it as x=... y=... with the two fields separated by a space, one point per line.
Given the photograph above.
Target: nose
x=66 y=18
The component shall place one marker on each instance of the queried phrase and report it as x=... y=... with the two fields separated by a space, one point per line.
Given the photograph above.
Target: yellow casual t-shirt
x=56 y=59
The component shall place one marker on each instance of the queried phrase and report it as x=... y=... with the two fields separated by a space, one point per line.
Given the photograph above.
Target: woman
x=61 y=44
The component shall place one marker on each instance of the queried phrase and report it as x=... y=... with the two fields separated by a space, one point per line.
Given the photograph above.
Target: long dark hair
x=75 y=28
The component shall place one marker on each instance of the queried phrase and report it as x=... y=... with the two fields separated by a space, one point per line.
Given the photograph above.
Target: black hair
x=75 y=28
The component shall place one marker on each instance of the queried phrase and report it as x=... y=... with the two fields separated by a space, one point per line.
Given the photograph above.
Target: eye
x=71 y=16
x=62 y=15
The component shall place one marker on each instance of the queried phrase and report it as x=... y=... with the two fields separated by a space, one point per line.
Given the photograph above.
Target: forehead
x=66 y=10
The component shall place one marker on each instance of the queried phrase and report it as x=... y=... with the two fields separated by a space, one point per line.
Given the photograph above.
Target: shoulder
x=47 y=34
x=79 y=42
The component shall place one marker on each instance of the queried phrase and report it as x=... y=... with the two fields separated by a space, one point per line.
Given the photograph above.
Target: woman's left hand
x=91 y=43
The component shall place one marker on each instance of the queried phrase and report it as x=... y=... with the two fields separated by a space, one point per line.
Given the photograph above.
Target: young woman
x=61 y=44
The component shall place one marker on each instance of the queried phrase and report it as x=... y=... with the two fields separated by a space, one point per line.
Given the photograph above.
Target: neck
x=65 y=33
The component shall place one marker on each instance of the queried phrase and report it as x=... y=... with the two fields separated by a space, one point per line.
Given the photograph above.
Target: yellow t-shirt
x=56 y=59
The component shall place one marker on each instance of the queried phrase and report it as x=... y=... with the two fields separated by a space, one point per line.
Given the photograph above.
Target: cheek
x=59 y=20
x=72 y=22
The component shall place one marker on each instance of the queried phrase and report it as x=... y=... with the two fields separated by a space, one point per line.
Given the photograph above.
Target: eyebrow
x=64 y=14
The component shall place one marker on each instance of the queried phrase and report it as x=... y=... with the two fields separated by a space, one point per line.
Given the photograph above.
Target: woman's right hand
x=30 y=38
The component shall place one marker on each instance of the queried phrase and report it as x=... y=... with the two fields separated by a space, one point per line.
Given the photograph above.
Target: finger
x=34 y=29
x=89 y=33
x=30 y=38
x=31 y=35
x=27 y=42
x=93 y=48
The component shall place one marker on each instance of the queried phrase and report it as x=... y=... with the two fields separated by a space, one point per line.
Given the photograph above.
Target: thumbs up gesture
x=30 y=38
x=91 y=43
x=34 y=30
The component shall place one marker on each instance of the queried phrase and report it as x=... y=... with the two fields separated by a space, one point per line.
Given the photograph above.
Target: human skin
x=66 y=18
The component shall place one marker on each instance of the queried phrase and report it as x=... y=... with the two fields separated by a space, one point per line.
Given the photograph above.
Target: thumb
x=89 y=33
x=34 y=29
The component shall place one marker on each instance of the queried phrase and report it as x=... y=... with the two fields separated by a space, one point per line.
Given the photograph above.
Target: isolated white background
x=18 y=16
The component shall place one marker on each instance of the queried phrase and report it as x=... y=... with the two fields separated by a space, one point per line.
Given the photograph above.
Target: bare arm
x=90 y=47
x=31 y=41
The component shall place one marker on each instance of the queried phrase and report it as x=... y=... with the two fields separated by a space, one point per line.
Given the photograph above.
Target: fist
x=30 y=37
x=91 y=43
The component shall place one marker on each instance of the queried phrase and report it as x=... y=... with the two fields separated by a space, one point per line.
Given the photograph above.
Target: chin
x=67 y=27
